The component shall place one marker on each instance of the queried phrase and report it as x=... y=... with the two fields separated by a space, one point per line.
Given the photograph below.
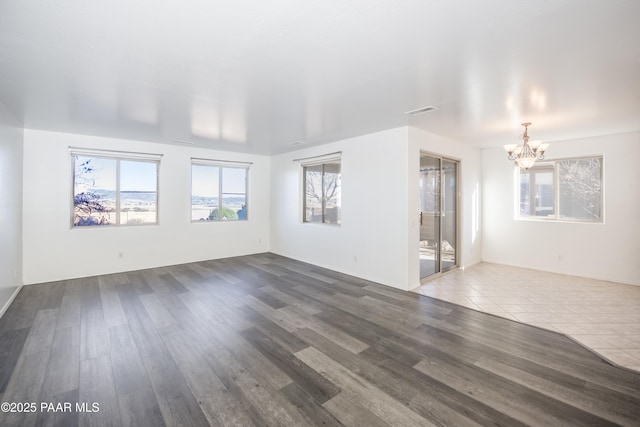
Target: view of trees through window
x=567 y=189
x=323 y=185
x=218 y=193
x=114 y=191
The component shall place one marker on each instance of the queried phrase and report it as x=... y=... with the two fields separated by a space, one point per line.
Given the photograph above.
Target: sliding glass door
x=438 y=215
x=449 y=215
x=429 y=215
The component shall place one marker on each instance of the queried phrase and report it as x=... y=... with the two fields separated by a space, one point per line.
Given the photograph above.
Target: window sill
x=560 y=220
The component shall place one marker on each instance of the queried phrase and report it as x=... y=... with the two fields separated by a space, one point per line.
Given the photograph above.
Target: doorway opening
x=438 y=215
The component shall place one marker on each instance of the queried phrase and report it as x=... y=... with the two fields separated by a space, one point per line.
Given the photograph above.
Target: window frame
x=324 y=162
x=221 y=164
x=556 y=190
x=118 y=156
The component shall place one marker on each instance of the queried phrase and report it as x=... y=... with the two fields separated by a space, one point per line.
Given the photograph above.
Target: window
x=565 y=189
x=112 y=188
x=322 y=185
x=218 y=190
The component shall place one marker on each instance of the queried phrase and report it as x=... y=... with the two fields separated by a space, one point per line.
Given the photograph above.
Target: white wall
x=371 y=242
x=609 y=251
x=54 y=251
x=470 y=251
x=378 y=238
x=10 y=206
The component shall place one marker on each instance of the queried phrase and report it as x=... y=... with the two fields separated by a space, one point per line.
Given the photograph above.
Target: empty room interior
x=360 y=213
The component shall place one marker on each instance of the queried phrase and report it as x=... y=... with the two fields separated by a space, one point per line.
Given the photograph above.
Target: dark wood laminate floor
x=265 y=340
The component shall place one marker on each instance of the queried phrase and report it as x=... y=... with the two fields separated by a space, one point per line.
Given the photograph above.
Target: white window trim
x=555 y=218
x=222 y=164
x=322 y=159
x=113 y=154
x=118 y=156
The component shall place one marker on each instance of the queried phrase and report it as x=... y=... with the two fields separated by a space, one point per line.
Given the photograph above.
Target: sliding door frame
x=456 y=265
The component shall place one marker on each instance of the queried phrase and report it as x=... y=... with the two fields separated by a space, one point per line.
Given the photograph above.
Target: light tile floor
x=604 y=316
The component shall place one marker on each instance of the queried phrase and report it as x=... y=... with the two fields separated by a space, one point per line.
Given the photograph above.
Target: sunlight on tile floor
x=604 y=316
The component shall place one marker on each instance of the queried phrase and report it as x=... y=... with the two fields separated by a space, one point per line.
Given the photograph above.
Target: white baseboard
x=471 y=265
x=563 y=273
x=11 y=298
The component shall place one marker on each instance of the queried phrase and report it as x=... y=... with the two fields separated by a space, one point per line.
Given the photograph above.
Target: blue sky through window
x=138 y=176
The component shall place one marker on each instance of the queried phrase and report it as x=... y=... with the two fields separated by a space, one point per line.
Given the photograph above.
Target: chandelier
x=526 y=154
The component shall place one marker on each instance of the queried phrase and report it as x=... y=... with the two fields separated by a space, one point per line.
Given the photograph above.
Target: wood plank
x=284 y=320
x=158 y=286
x=53 y=295
x=308 y=407
x=141 y=326
x=427 y=398
x=348 y=409
x=63 y=370
x=24 y=308
x=158 y=314
x=260 y=403
x=276 y=333
x=251 y=358
x=140 y=408
x=506 y=396
x=209 y=391
x=53 y=417
x=70 y=306
x=25 y=386
x=176 y=402
x=369 y=396
x=458 y=407
x=261 y=367
x=129 y=373
x=309 y=380
x=11 y=345
x=41 y=334
x=172 y=283
x=94 y=337
x=267 y=298
x=308 y=309
x=90 y=294
x=97 y=386
x=328 y=331
x=111 y=307
x=590 y=397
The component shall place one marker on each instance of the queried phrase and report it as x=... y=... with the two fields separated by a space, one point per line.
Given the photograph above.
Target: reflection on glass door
x=449 y=215
x=438 y=215
x=429 y=215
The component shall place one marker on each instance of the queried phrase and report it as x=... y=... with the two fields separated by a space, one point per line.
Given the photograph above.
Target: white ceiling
x=257 y=76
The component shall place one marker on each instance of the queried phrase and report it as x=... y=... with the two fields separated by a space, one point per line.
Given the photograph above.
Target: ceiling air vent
x=421 y=110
